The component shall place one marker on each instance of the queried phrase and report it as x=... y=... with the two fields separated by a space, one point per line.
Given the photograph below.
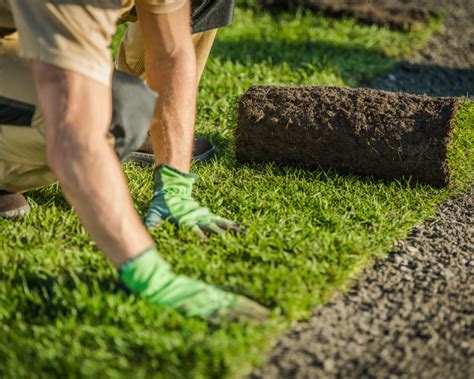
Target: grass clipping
x=361 y=131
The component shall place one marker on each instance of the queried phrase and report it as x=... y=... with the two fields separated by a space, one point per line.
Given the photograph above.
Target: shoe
x=203 y=151
x=13 y=205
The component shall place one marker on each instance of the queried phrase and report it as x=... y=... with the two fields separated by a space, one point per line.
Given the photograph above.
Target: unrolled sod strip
x=361 y=131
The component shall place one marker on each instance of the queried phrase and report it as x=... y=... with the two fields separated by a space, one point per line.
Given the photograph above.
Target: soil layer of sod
x=361 y=131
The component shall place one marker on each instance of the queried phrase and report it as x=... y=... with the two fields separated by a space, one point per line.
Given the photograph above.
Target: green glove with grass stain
x=172 y=201
x=151 y=277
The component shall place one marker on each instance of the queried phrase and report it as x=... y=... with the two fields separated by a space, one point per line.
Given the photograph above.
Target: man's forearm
x=77 y=114
x=172 y=128
x=171 y=71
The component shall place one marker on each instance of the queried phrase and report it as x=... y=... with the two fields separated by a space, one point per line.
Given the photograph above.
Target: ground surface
x=411 y=315
x=306 y=232
x=445 y=67
x=378 y=13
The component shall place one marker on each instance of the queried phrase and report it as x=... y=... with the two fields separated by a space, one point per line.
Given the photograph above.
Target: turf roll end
x=361 y=131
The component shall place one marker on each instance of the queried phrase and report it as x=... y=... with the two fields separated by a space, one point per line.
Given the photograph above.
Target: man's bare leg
x=182 y=136
x=203 y=45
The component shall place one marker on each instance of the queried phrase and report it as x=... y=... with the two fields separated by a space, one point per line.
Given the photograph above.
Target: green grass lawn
x=308 y=233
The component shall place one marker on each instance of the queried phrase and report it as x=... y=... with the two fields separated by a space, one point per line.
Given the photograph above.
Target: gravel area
x=411 y=315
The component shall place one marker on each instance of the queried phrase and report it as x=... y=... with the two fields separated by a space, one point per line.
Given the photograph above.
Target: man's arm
x=170 y=66
x=77 y=112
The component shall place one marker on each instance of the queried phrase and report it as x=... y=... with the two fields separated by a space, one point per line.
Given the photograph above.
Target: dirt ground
x=363 y=131
x=412 y=315
x=445 y=67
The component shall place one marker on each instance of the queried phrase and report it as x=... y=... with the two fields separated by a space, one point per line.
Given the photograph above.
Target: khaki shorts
x=23 y=163
x=72 y=34
x=131 y=53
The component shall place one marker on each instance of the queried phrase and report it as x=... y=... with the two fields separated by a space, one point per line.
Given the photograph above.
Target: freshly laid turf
x=62 y=313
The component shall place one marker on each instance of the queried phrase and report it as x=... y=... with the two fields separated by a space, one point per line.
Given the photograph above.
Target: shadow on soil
x=433 y=80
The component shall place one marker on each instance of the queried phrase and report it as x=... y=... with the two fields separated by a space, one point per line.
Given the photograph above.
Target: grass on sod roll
x=307 y=234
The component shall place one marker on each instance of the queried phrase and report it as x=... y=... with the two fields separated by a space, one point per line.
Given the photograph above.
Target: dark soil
x=432 y=79
x=400 y=16
x=362 y=131
x=410 y=316
x=445 y=67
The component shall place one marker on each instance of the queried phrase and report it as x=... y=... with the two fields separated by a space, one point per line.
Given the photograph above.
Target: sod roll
x=360 y=131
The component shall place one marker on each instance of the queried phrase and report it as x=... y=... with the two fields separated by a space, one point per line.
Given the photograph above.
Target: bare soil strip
x=361 y=131
x=445 y=67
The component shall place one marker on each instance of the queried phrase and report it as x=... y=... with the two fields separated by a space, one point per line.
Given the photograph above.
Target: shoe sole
x=145 y=159
x=142 y=159
x=18 y=212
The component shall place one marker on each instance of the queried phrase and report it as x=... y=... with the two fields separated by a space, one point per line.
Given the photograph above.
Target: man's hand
x=151 y=277
x=172 y=201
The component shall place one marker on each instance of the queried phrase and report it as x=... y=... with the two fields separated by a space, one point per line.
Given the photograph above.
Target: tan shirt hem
x=74 y=63
x=160 y=6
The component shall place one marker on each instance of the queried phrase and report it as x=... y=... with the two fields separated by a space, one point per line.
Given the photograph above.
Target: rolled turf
x=361 y=131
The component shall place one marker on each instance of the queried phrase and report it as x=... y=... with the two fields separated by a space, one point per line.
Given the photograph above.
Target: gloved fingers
x=211 y=228
x=197 y=231
x=229 y=225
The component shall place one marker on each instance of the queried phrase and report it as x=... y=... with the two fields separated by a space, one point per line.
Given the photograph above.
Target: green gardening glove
x=172 y=201
x=152 y=278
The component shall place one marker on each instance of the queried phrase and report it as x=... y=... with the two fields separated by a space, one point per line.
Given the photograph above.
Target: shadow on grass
x=355 y=64
x=46 y=298
x=330 y=175
x=351 y=62
x=49 y=196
